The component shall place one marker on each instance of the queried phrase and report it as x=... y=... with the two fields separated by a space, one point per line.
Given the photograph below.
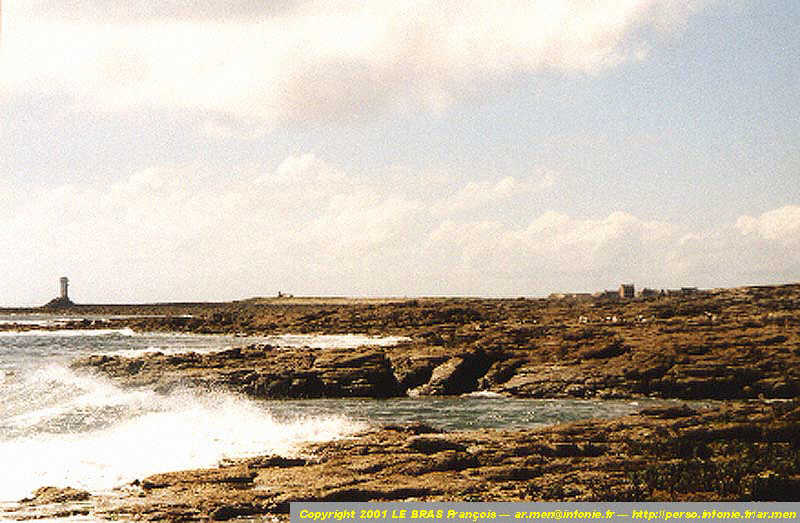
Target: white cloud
x=124 y=11
x=308 y=227
x=480 y=194
x=559 y=250
x=315 y=59
x=781 y=224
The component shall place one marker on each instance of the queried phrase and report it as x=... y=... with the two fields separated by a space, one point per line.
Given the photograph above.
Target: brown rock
x=47 y=495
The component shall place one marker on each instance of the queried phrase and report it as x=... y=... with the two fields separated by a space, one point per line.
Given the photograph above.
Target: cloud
x=556 y=251
x=176 y=232
x=782 y=225
x=480 y=194
x=309 y=227
x=313 y=60
x=117 y=11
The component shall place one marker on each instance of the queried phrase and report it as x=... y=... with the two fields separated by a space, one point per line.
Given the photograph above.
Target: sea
x=61 y=427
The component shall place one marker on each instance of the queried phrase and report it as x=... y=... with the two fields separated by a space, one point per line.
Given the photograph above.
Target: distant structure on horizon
x=64 y=281
x=649 y=293
x=626 y=291
x=63 y=297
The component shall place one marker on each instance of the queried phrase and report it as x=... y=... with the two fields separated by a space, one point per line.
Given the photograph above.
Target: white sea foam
x=70 y=333
x=327 y=341
x=38 y=323
x=484 y=394
x=314 y=341
x=210 y=343
x=93 y=435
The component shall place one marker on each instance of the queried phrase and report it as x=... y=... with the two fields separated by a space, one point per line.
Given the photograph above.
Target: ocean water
x=62 y=428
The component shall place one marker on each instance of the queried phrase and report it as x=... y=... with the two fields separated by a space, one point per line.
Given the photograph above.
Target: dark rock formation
x=59 y=303
x=259 y=371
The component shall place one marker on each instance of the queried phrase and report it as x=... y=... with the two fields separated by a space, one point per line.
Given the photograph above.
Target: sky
x=192 y=150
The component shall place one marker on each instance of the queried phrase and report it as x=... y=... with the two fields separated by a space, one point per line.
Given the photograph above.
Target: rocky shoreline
x=738 y=451
x=731 y=344
x=738 y=345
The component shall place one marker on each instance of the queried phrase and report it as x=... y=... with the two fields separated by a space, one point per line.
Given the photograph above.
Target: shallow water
x=462 y=413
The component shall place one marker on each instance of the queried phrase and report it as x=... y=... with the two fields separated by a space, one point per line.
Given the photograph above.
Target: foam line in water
x=70 y=333
x=206 y=344
x=38 y=323
x=484 y=394
x=322 y=341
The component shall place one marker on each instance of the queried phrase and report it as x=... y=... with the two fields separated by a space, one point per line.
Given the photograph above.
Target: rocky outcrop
x=50 y=503
x=616 y=369
x=47 y=495
x=459 y=374
x=739 y=451
x=59 y=303
x=259 y=371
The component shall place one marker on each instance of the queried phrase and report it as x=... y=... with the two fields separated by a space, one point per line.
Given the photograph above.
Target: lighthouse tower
x=63 y=297
x=64 y=281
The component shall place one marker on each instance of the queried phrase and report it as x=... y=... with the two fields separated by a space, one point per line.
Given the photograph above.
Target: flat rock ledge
x=738 y=451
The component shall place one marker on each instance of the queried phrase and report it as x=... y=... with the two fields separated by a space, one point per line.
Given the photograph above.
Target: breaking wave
x=65 y=429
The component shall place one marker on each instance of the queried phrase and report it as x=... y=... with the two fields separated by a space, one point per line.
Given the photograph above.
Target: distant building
x=606 y=296
x=626 y=291
x=649 y=293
